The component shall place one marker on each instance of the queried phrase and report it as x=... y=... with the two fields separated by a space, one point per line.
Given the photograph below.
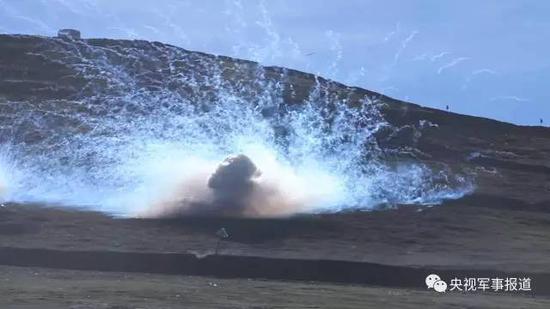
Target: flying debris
x=130 y=149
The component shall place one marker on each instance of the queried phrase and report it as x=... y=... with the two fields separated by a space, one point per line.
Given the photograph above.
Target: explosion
x=238 y=188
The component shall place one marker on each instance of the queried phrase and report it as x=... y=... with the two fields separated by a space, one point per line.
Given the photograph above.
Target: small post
x=69 y=34
x=222 y=234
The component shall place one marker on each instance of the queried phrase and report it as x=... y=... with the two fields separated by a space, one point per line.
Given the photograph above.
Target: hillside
x=60 y=97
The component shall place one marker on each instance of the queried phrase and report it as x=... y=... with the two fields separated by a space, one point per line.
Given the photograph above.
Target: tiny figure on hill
x=447 y=107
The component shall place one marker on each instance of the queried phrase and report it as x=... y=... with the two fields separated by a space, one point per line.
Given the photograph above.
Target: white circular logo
x=440 y=286
x=431 y=279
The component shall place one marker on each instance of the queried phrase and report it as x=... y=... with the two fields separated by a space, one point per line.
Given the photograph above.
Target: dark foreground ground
x=40 y=288
x=395 y=248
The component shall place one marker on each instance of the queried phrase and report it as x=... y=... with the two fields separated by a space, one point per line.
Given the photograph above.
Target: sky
x=485 y=58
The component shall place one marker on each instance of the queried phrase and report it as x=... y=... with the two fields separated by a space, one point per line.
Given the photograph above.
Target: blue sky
x=485 y=58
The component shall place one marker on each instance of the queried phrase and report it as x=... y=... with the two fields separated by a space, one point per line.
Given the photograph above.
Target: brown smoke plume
x=236 y=188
